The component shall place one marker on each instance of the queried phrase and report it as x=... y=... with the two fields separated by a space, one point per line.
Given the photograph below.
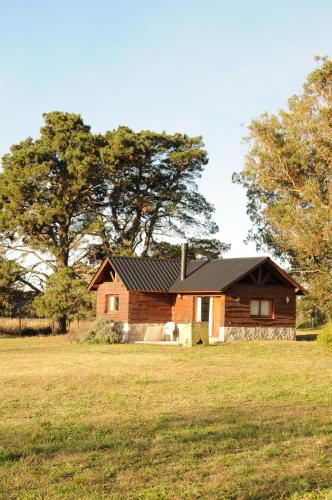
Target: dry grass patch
x=245 y=420
x=24 y=326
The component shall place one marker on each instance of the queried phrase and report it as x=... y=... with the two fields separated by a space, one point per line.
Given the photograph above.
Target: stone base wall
x=232 y=333
x=191 y=334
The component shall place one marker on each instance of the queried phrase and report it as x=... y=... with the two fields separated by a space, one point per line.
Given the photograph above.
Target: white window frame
x=198 y=311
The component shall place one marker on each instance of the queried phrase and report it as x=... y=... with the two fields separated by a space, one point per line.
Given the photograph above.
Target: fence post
x=20 y=324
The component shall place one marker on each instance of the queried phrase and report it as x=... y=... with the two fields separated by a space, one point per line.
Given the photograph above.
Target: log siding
x=238 y=313
x=150 y=307
x=113 y=288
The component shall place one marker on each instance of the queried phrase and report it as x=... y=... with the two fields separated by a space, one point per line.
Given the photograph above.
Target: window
x=261 y=308
x=112 y=303
x=202 y=308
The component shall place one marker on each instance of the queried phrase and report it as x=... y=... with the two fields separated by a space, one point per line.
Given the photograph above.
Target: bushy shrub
x=325 y=336
x=103 y=331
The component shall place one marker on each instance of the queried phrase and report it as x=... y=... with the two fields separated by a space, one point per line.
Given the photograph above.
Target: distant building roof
x=158 y=275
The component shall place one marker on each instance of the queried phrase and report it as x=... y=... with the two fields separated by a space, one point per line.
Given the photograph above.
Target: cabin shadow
x=306 y=337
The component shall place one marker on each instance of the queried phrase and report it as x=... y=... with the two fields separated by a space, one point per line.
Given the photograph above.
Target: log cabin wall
x=116 y=288
x=238 y=313
x=145 y=307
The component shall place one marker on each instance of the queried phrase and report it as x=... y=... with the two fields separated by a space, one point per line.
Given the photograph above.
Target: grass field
x=245 y=420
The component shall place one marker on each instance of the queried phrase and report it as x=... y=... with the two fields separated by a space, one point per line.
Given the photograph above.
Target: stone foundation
x=232 y=333
x=191 y=334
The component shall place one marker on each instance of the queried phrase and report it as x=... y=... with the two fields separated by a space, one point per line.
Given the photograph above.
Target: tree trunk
x=61 y=325
x=62 y=262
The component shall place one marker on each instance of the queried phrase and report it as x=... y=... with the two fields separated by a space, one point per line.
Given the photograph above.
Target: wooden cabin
x=198 y=301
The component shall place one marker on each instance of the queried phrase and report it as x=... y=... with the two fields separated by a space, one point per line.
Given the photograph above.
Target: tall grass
x=25 y=326
x=39 y=326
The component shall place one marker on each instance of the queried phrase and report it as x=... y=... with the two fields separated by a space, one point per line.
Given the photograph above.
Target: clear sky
x=200 y=67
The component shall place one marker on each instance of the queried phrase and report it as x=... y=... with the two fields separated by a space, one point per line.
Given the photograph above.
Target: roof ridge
x=165 y=259
x=242 y=258
x=141 y=258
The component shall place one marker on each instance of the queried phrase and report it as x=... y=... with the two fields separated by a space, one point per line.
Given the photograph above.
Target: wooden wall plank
x=150 y=307
x=182 y=308
x=238 y=313
x=113 y=288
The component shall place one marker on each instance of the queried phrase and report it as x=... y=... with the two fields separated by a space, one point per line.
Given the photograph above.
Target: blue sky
x=200 y=67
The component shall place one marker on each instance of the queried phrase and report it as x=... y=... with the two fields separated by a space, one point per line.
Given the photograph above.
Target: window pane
x=110 y=303
x=113 y=303
x=254 y=307
x=116 y=303
x=266 y=308
x=205 y=308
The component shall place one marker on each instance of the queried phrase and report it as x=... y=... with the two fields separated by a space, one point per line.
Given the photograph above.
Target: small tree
x=66 y=296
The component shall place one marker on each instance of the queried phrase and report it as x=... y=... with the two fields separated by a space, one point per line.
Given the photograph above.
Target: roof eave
x=91 y=285
x=298 y=288
x=194 y=291
x=264 y=259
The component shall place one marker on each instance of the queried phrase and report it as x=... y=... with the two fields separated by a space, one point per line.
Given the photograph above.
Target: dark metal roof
x=151 y=274
x=162 y=275
x=216 y=274
x=146 y=273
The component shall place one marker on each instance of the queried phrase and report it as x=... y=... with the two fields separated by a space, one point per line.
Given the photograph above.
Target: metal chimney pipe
x=184 y=251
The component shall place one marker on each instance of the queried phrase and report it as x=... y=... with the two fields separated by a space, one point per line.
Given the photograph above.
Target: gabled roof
x=137 y=273
x=146 y=273
x=216 y=274
x=162 y=275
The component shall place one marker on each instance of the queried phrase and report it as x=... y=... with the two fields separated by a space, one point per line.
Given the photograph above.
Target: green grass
x=244 y=420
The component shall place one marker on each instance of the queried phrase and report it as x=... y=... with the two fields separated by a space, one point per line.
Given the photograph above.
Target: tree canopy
x=151 y=189
x=198 y=248
x=10 y=274
x=47 y=188
x=288 y=178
